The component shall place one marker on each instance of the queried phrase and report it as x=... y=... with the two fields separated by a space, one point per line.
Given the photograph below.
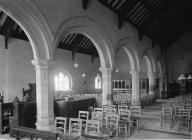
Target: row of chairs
x=178 y=111
x=107 y=119
x=125 y=99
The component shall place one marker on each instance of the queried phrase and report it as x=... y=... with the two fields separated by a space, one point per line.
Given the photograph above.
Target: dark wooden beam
x=1 y=14
x=75 y=44
x=120 y=21
x=140 y=34
x=85 y=4
x=6 y=30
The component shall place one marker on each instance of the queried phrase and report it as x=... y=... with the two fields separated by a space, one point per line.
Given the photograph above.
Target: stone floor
x=150 y=127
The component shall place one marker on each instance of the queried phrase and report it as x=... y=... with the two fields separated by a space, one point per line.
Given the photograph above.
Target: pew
x=20 y=132
x=6 y=110
x=24 y=114
x=70 y=109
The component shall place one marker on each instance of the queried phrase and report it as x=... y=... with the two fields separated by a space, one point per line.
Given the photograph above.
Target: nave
x=150 y=124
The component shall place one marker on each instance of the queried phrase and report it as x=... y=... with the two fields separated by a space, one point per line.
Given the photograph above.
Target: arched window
x=98 y=82
x=62 y=82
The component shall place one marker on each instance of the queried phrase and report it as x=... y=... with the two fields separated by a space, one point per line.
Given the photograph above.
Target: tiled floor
x=150 y=127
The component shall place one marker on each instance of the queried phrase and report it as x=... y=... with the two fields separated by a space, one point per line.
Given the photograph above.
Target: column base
x=45 y=123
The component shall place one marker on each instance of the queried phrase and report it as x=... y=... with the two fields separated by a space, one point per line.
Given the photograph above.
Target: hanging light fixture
x=76 y=65
x=83 y=74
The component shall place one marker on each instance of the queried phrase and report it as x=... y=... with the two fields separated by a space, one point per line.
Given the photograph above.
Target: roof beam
x=75 y=44
x=6 y=30
x=120 y=21
x=85 y=4
x=1 y=14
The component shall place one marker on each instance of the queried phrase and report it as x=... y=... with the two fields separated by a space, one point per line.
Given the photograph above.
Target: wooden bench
x=6 y=110
x=20 y=132
x=24 y=114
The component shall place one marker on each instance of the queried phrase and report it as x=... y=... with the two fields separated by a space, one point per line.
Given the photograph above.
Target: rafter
x=120 y=21
x=85 y=4
x=6 y=30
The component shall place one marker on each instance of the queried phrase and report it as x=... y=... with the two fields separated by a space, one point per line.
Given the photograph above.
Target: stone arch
x=30 y=19
x=149 y=64
x=131 y=50
x=93 y=31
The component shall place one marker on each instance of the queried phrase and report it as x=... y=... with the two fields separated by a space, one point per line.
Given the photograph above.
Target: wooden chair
x=75 y=126
x=122 y=107
x=176 y=115
x=167 y=116
x=60 y=124
x=98 y=116
x=98 y=110
x=124 y=123
x=136 y=115
x=107 y=111
x=84 y=115
x=92 y=131
x=112 y=123
x=92 y=127
x=184 y=119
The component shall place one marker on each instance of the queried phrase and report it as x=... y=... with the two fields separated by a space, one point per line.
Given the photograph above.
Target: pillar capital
x=106 y=70
x=40 y=63
x=151 y=74
x=135 y=72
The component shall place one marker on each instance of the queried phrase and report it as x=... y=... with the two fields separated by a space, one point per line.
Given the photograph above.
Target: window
x=98 y=82
x=62 y=82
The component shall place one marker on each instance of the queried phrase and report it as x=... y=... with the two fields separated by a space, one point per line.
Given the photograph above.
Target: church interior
x=95 y=69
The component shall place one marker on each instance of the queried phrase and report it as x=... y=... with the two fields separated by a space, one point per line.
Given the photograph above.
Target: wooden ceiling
x=78 y=43
x=9 y=28
x=163 y=21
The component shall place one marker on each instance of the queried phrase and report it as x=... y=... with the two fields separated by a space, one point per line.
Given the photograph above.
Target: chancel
x=95 y=69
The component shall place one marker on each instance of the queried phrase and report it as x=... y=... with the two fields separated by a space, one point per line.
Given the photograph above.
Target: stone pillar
x=44 y=99
x=151 y=83
x=135 y=88
x=106 y=85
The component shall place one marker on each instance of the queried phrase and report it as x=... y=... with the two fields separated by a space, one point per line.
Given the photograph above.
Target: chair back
x=122 y=107
x=84 y=115
x=112 y=121
x=98 y=116
x=98 y=110
x=60 y=124
x=135 y=111
x=92 y=127
x=124 y=115
x=75 y=126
